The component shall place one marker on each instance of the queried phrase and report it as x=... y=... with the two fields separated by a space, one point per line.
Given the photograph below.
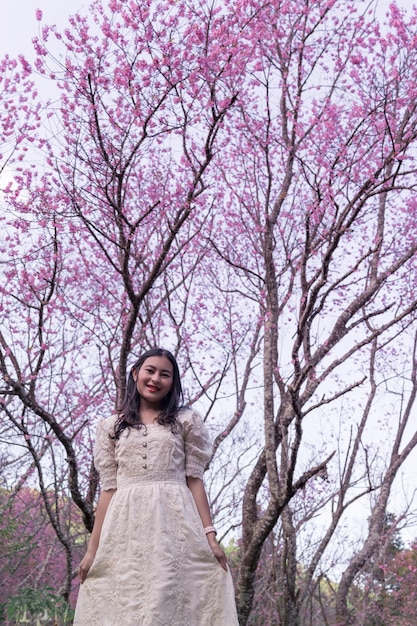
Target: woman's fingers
x=84 y=566
x=223 y=561
x=218 y=553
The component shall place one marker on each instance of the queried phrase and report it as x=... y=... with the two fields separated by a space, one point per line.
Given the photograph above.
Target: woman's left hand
x=217 y=550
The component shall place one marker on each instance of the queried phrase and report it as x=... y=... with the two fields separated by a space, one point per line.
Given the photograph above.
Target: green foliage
x=38 y=607
x=9 y=537
x=232 y=551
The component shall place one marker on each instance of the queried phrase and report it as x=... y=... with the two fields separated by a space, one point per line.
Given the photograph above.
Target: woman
x=153 y=557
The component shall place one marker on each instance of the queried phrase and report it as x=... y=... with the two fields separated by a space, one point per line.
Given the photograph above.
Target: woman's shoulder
x=187 y=415
x=191 y=423
x=110 y=419
x=107 y=423
x=197 y=442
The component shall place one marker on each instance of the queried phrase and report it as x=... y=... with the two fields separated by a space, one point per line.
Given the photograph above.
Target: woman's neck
x=148 y=413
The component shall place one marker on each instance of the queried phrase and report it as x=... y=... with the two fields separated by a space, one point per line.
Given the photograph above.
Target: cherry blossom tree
x=31 y=553
x=396 y=599
x=322 y=195
x=20 y=118
x=102 y=242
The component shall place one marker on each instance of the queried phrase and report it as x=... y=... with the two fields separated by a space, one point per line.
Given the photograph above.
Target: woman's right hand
x=102 y=505
x=85 y=565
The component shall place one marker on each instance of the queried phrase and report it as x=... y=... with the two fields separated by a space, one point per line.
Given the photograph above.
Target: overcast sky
x=18 y=23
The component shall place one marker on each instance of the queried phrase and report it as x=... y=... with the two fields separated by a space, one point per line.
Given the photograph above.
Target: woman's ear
x=134 y=375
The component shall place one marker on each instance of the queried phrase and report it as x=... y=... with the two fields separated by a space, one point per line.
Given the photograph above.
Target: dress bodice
x=152 y=452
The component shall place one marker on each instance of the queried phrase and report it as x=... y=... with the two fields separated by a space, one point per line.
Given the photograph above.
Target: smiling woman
x=153 y=557
x=153 y=381
x=153 y=392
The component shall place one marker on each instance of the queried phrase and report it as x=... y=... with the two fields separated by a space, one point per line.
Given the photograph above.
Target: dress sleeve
x=105 y=454
x=197 y=444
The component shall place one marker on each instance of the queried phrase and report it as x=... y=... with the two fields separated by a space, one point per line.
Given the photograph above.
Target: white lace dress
x=154 y=566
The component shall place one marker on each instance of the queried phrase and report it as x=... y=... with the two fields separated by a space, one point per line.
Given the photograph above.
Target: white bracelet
x=210 y=529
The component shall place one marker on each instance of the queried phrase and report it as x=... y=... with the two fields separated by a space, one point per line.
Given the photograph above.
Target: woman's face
x=154 y=379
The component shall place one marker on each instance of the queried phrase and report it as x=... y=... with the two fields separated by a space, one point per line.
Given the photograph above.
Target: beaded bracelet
x=210 y=529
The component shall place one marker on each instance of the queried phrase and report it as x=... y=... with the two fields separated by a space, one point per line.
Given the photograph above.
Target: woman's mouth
x=152 y=388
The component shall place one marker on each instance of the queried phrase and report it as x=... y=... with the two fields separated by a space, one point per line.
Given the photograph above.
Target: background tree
x=398 y=604
x=31 y=556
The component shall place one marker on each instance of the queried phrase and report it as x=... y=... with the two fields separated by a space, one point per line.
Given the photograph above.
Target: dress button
x=145 y=432
x=145 y=443
x=143 y=456
x=144 y=466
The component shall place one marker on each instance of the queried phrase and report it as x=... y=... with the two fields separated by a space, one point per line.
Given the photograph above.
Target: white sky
x=18 y=24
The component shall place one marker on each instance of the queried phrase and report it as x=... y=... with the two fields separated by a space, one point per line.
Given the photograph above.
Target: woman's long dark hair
x=129 y=411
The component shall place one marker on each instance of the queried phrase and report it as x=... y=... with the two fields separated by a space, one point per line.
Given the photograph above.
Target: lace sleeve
x=104 y=454
x=197 y=442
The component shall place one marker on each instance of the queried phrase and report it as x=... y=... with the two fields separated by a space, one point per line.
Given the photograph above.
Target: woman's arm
x=196 y=486
x=102 y=505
